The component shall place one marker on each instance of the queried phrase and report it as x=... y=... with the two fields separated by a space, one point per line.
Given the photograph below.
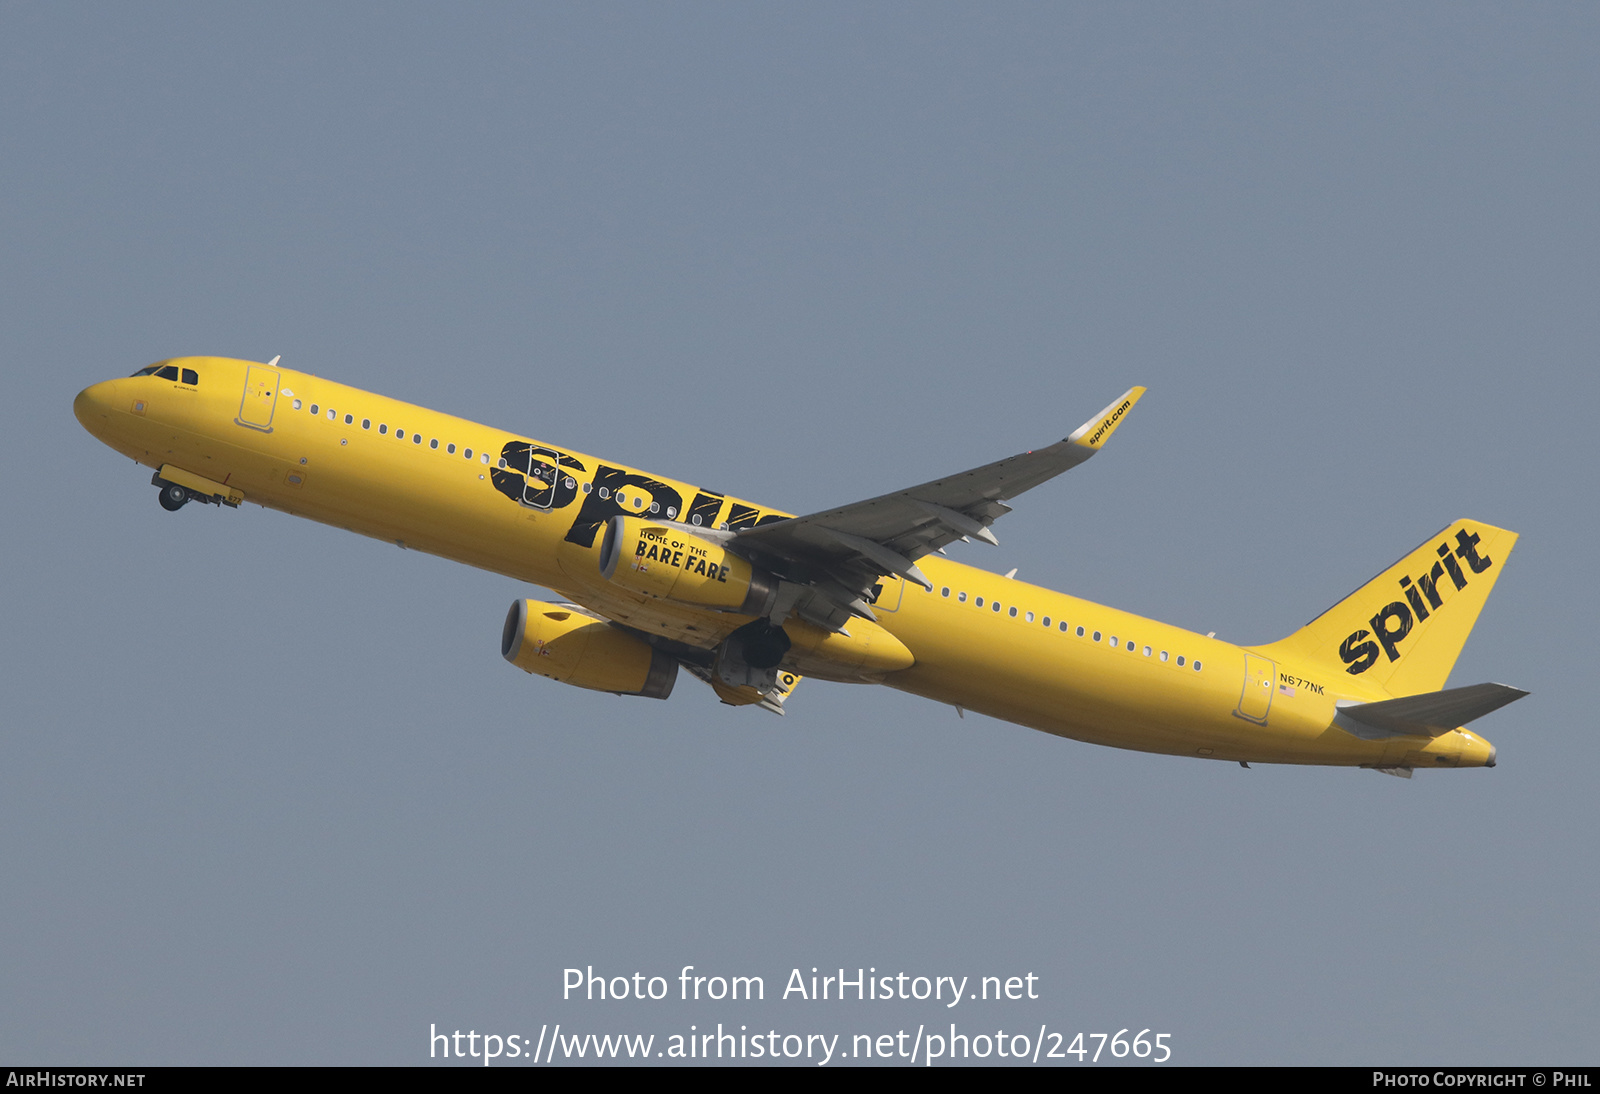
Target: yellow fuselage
x=982 y=642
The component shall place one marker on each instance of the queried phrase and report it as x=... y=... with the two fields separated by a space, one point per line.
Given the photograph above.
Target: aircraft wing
x=839 y=554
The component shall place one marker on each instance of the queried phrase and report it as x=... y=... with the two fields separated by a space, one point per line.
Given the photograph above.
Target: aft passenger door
x=1255 y=700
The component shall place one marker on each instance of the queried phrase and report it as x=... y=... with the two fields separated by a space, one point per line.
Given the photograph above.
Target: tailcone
x=1475 y=751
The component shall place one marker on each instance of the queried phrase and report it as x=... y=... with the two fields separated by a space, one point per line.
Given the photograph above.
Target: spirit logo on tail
x=1394 y=620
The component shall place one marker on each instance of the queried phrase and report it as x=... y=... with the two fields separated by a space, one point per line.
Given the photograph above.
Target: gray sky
x=268 y=794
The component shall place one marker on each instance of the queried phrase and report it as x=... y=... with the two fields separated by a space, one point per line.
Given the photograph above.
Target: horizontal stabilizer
x=1431 y=713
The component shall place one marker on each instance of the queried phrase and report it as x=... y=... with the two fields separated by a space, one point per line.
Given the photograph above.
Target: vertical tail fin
x=1404 y=629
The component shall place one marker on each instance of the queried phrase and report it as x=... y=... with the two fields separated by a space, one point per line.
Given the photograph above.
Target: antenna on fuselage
x=275 y=360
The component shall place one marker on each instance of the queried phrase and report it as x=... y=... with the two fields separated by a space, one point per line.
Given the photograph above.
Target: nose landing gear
x=173 y=497
x=179 y=487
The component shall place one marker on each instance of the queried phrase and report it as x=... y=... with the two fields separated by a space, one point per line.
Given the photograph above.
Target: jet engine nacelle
x=657 y=560
x=563 y=643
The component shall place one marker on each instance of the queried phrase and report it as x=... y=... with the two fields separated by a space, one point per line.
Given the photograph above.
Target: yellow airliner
x=659 y=575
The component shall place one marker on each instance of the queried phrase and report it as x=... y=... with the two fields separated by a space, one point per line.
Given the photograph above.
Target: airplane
x=656 y=575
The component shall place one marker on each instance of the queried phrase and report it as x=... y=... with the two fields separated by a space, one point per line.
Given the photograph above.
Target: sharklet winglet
x=1095 y=432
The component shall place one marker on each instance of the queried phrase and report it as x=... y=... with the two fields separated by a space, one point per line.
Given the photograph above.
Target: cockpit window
x=170 y=372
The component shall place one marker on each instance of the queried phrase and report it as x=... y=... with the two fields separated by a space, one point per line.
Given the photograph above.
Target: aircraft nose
x=93 y=404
